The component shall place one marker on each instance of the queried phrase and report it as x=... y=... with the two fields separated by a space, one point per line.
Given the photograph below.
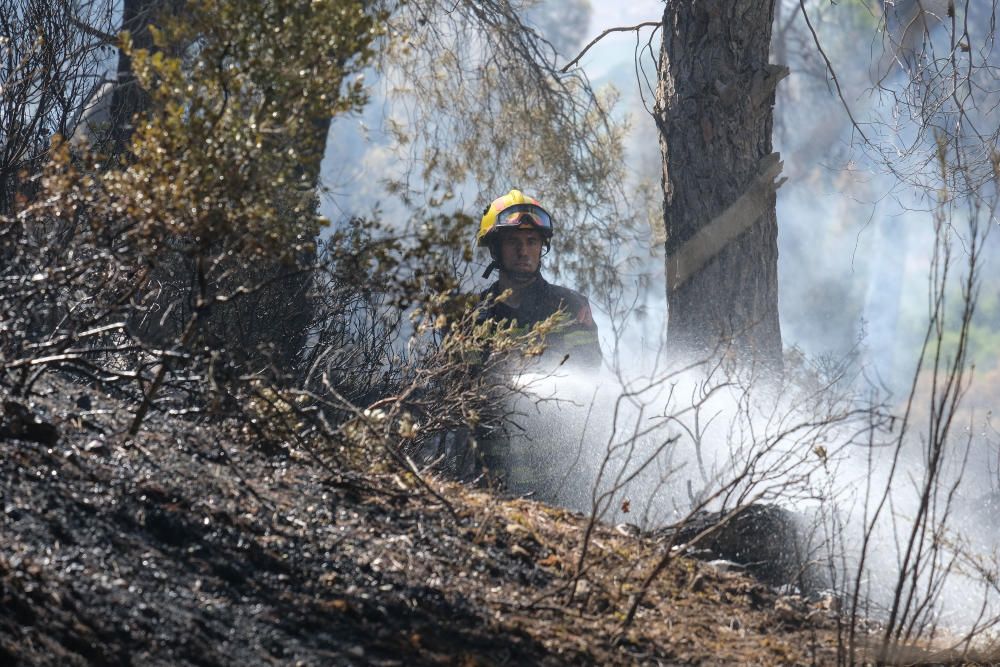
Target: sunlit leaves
x=238 y=90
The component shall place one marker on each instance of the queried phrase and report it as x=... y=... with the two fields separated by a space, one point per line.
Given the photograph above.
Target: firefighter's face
x=521 y=250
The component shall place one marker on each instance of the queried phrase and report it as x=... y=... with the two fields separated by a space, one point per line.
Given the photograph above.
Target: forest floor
x=190 y=545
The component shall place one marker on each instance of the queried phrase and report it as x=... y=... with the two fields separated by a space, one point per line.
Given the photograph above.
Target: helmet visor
x=527 y=216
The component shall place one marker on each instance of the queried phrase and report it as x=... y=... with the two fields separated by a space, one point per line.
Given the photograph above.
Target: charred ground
x=193 y=545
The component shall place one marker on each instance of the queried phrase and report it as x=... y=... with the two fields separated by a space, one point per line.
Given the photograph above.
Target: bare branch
x=105 y=37
x=636 y=28
x=833 y=74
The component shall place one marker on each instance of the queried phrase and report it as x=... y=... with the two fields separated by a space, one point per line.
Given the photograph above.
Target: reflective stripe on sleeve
x=577 y=338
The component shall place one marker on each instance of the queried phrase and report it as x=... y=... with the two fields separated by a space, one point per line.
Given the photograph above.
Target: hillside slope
x=192 y=546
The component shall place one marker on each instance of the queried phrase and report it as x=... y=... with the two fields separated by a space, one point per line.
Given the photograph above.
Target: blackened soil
x=189 y=545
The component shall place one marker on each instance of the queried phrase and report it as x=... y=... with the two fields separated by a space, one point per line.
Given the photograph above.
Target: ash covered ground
x=194 y=544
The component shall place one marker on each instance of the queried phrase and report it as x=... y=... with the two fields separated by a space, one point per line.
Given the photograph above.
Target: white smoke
x=650 y=446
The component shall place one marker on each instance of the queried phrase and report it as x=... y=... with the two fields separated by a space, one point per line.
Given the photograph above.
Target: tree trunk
x=714 y=109
x=128 y=99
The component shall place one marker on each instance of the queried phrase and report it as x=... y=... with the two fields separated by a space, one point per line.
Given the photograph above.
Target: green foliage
x=212 y=204
x=236 y=90
x=195 y=245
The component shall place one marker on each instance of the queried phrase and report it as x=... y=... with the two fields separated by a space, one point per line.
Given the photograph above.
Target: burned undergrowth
x=190 y=545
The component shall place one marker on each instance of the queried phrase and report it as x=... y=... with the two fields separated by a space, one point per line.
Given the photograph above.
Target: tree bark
x=714 y=109
x=128 y=99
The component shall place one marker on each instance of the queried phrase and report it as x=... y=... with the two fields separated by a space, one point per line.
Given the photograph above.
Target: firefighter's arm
x=580 y=339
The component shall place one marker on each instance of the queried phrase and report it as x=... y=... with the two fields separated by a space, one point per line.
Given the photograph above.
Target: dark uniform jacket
x=575 y=339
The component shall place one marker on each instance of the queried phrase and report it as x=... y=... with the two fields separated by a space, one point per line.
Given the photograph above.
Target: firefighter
x=517 y=230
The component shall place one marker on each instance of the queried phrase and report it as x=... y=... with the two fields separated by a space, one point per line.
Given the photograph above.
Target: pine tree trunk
x=128 y=98
x=714 y=109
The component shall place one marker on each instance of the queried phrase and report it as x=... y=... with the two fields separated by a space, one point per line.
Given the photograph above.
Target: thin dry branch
x=833 y=74
x=637 y=27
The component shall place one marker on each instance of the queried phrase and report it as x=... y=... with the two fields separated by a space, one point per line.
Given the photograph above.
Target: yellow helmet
x=515 y=210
